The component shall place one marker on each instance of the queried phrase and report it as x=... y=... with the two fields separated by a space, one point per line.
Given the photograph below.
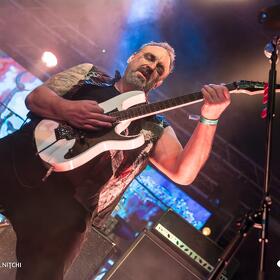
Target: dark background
x=215 y=41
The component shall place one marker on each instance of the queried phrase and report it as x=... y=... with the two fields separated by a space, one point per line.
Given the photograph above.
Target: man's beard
x=138 y=82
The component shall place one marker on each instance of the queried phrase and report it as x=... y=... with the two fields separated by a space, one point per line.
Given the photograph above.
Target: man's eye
x=149 y=57
x=160 y=70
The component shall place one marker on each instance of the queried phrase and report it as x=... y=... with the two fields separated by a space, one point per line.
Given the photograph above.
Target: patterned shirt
x=125 y=165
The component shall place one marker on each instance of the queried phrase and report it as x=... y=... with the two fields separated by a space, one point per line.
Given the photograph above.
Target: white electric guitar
x=64 y=148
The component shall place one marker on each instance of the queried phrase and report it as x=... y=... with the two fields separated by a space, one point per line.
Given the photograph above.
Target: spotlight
x=270 y=17
x=278 y=263
x=49 y=59
x=263 y=16
x=206 y=231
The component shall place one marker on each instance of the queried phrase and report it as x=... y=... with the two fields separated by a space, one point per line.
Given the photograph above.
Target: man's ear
x=131 y=58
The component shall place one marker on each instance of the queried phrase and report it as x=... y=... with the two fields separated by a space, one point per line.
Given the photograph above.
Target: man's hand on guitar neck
x=216 y=100
x=183 y=164
x=85 y=114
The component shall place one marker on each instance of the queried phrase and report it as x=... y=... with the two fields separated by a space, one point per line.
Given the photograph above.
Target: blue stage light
x=263 y=16
x=143 y=10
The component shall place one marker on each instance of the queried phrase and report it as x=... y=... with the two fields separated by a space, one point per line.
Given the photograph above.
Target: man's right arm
x=46 y=101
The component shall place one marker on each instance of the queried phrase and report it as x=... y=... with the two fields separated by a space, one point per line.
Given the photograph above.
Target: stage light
x=143 y=11
x=206 y=231
x=263 y=16
x=278 y=263
x=49 y=59
x=148 y=11
x=270 y=17
x=104 y=51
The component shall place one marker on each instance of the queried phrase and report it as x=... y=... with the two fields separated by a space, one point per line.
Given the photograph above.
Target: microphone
x=270 y=46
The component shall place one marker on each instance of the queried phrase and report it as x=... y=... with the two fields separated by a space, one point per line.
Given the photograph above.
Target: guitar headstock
x=249 y=87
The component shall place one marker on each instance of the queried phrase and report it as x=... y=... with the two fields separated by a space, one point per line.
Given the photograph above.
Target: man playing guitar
x=51 y=216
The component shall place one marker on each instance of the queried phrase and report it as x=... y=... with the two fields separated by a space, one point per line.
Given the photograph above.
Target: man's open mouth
x=145 y=74
x=142 y=75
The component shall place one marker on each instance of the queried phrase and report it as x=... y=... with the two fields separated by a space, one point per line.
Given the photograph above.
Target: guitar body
x=66 y=155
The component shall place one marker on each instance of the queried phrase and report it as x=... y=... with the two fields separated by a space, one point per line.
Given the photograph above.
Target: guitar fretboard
x=143 y=110
x=153 y=108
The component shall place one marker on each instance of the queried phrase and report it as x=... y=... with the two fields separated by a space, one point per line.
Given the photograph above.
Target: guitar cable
x=47 y=147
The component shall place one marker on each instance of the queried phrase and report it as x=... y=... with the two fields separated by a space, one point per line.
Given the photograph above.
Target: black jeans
x=49 y=222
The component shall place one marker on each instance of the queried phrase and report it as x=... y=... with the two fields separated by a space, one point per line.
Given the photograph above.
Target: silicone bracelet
x=207 y=121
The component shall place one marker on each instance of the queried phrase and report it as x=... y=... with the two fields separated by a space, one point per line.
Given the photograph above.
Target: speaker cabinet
x=172 y=250
x=149 y=258
x=95 y=250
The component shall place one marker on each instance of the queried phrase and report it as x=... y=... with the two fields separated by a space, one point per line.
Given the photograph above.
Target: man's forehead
x=156 y=50
x=161 y=53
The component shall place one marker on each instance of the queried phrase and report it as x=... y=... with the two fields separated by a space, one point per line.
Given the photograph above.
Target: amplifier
x=149 y=258
x=172 y=250
x=191 y=244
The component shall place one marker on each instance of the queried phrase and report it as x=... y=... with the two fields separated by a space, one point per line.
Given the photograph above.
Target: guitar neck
x=145 y=110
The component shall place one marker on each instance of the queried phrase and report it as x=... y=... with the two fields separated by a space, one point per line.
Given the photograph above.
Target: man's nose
x=153 y=65
x=151 y=68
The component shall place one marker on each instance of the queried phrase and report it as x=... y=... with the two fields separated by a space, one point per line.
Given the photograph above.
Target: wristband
x=207 y=121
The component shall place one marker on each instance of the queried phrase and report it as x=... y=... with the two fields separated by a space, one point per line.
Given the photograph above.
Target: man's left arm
x=182 y=165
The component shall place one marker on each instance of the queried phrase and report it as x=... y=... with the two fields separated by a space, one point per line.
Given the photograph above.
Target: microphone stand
x=267 y=201
x=259 y=218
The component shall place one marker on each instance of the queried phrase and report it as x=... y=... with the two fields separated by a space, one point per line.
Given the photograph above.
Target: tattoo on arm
x=64 y=81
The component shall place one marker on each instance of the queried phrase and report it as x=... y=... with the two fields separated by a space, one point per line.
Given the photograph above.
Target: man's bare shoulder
x=65 y=80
